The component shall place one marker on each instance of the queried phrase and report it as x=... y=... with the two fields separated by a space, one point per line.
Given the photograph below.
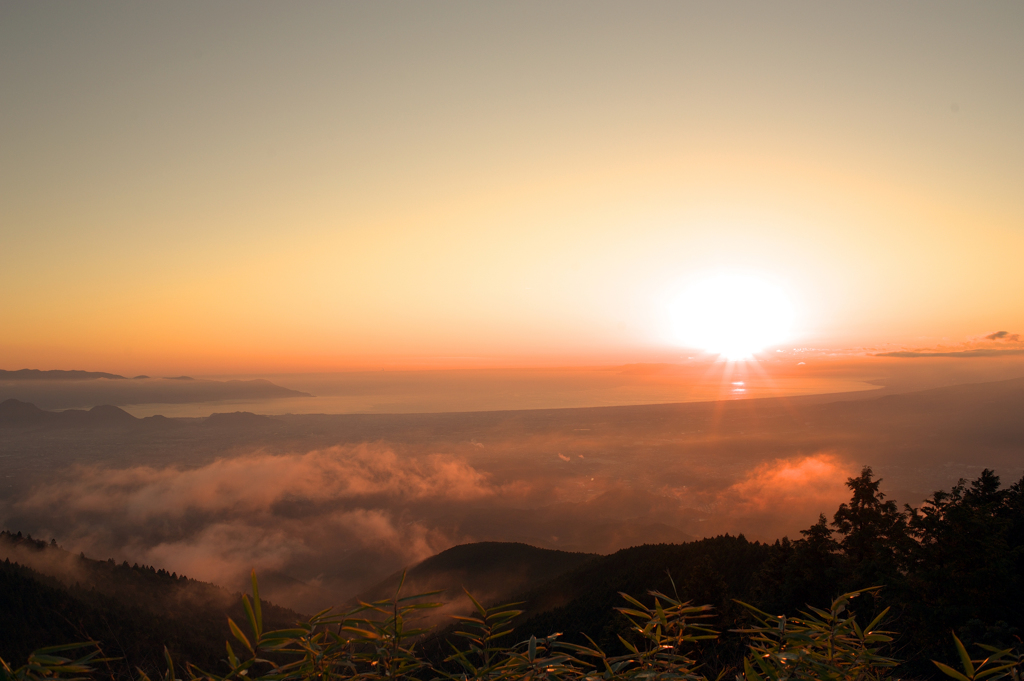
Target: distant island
x=61 y=389
x=56 y=375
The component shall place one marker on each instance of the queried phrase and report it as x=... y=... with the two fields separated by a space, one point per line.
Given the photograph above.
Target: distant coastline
x=76 y=389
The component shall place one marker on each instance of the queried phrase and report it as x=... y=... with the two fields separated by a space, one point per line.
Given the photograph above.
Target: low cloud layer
x=302 y=515
x=768 y=497
x=322 y=525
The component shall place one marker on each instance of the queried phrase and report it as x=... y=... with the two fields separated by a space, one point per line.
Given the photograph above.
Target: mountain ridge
x=83 y=389
x=49 y=596
x=56 y=375
x=491 y=571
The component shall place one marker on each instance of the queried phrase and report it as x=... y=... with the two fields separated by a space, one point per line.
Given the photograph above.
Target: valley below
x=326 y=506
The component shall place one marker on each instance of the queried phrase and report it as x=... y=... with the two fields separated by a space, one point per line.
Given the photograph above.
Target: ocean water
x=509 y=389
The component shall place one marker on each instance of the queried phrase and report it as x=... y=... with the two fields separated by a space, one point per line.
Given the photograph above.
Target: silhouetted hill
x=54 y=375
x=238 y=419
x=640 y=568
x=582 y=600
x=714 y=571
x=16 y=413
x=492 y=571
x=49 y=596
x=76 y=389
x=104 y=414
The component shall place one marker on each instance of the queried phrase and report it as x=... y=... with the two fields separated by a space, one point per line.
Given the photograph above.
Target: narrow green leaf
x=251 y=616
x=256 y=604
x=995 y=670
x=875 y=622
x=749 y=673
x=753 y=609
x=634 y=601
x=965 y=659
x=232 y=658
x=425 y=594
x=69 y=646
x=237 y=633
x=476 y=604
x=170 y=662
x=285 y=633
x=401 y=583
x=49 y=659
x=949 y=671
x=633 y=613
x=825 y=615
x=660 y=611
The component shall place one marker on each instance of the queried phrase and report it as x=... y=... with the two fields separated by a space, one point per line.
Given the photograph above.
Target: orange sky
x=253 y=187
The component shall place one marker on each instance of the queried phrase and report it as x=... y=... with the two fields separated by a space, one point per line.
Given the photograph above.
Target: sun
x=733 y=315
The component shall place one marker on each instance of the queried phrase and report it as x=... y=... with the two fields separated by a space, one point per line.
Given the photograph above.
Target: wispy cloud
x=998 y=344
x=774 y=498
x=303 y=514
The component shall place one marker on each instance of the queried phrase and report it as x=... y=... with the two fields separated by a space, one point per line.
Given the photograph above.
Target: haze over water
x=400 y=392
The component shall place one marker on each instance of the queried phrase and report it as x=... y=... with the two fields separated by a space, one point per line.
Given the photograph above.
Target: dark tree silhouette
x=875 y=541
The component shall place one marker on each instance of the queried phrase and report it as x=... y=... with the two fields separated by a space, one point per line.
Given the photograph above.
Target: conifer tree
x=875 y=541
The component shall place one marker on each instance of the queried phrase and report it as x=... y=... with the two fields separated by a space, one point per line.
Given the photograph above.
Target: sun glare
x=733 y=315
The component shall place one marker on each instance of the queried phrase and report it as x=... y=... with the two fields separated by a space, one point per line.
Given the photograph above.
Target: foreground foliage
x=377 y=642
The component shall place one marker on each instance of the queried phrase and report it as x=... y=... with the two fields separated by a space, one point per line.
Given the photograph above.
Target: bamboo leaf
x=69 y=646
x=749 y=673
x=634 y=601
x=995 y=670
x=425 y=594
x=256 y=604
x=753 y=609
x=49 y=659
x=949 y=671
x=250 y=615
x=634 y=613
x=875 y=622
x=965 y=659
x=824 y=614
x=232 y=658
x=401 y=583
x=237 y=633
x=476 y=604
x=285 y=633
x=170 y=662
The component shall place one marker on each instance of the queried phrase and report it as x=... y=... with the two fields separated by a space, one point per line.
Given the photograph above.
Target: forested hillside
x=132 y=610
x=954 y=564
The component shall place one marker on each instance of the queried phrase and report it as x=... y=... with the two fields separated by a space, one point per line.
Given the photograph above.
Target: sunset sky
x=246 y=187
